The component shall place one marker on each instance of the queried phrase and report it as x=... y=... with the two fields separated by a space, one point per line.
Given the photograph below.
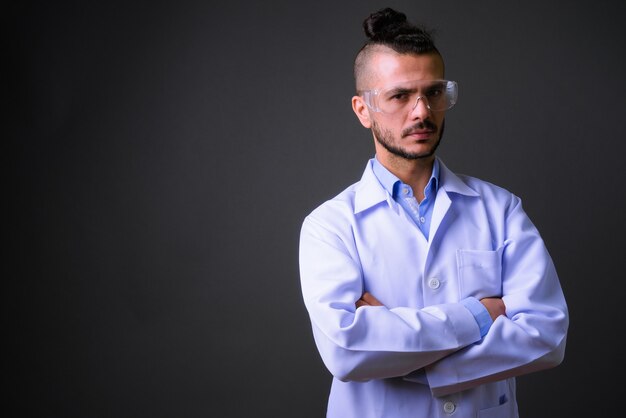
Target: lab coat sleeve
x=369 y=342
x=532 y=335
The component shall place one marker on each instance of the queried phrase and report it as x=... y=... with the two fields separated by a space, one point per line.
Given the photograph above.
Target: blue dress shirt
x=420 y=212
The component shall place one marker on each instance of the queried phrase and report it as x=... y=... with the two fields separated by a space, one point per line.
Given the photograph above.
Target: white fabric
x=481 y=244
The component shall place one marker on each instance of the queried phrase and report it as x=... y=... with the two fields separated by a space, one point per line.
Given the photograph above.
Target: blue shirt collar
x=369 y=191
x=392 y=184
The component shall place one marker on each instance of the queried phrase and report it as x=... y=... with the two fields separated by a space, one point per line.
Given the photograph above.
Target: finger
x=370 y=299
x=360 y=303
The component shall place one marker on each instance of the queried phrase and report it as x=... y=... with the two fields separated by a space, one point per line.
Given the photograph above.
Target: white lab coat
x=421 y=355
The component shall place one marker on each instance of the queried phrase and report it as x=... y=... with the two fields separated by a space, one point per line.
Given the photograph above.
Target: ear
x=362 y=111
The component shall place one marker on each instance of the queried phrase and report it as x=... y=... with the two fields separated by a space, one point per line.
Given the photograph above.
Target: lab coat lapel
x=449 y=184
x=442 y=206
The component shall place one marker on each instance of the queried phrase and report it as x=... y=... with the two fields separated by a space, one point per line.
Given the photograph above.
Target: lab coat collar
x=369 y=192
x=450 y=182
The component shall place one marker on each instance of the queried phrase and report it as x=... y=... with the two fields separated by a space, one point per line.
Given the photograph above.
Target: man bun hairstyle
x=390 y=28
x=383 y=24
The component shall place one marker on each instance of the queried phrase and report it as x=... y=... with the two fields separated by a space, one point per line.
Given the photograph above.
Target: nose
x=421 y=109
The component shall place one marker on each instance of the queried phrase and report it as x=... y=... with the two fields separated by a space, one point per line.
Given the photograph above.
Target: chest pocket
x=479 y=272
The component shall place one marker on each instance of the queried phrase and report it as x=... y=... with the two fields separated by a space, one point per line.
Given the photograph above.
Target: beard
x=385 y=138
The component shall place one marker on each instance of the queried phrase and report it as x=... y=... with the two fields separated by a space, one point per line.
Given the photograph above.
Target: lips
x=421 y=134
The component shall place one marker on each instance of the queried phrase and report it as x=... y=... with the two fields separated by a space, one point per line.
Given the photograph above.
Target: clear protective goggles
x=402 y=97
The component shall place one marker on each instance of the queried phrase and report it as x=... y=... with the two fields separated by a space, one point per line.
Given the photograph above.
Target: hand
x=495 y=306
x=368 y=300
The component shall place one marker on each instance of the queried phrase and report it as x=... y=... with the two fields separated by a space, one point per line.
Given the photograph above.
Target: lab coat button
x=434 y=283
x=449 y=407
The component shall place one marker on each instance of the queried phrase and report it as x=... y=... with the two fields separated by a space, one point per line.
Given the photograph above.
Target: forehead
x=388 y=68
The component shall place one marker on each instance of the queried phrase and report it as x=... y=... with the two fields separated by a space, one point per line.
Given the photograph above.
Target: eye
x=434 y=91
x=402 y=96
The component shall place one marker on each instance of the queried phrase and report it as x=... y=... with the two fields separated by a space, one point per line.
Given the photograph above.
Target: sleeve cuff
x=481 y=314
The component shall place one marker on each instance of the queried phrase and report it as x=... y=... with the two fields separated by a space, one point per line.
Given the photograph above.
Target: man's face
x=414 y=133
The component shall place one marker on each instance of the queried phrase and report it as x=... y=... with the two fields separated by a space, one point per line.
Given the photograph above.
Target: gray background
x=163 y=155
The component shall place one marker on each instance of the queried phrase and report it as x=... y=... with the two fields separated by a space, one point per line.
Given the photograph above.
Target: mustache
x=419 y=126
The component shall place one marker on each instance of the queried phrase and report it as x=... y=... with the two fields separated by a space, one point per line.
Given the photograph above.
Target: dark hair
x=390 y=28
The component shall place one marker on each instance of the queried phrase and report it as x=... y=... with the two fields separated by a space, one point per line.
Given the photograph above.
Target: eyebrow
x=429 y=84
x=396 y=90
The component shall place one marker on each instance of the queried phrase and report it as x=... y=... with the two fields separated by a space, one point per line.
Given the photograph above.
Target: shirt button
x=405 y=191
x=449 y=407
x=422 y=219
x=434 y=283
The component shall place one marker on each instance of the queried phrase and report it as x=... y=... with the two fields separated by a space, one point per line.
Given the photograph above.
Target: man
x=428 y=292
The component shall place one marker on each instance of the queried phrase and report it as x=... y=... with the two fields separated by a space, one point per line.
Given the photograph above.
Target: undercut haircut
x=388 y=28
